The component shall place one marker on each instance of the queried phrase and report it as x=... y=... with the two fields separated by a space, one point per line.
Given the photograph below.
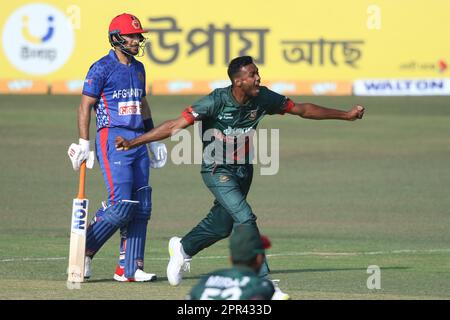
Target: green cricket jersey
x=229 y=124
x=238 y=283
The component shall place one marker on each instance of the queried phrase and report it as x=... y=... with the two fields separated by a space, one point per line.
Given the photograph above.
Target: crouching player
x=241 y=282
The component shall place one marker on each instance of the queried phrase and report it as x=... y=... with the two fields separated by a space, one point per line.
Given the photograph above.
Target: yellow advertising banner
x=290 y=40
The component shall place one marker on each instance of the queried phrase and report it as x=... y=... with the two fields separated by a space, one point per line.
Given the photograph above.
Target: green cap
x=246 y=243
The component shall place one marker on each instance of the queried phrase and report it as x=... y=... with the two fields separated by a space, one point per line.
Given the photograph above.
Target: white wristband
x=84 y=144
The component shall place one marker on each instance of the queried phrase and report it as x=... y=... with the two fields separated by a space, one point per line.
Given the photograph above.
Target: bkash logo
x=33 y=39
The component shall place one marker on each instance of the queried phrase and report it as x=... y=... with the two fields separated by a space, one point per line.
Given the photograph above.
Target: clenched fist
x=357 y=112
x=122 y=144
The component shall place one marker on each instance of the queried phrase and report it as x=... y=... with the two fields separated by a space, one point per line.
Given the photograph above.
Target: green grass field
x=348 y=195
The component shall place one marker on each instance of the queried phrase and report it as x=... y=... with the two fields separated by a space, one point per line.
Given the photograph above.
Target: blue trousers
x=123 y=171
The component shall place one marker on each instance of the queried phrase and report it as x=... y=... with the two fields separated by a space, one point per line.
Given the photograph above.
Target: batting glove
x=80 y=152
x=158 y=154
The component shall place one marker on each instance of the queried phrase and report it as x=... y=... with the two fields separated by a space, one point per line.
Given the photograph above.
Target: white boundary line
x=32 y=259
x=285 y=254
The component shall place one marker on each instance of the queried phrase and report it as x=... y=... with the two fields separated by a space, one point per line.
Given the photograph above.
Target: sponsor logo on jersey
x=252 y=115
x=226 y=116
x=129 y=108
x=236 y=131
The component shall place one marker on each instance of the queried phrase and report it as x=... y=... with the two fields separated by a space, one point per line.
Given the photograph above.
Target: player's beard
x=127 y=51
x=254 y=90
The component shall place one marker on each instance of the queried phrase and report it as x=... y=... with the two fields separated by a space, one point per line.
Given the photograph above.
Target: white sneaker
x=87 y=267
x=139 y=276
x=278 y=294
x=177 y=262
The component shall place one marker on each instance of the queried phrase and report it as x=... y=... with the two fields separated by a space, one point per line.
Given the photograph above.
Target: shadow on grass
x=278 y=271
x=159 y=279
x=101 y=281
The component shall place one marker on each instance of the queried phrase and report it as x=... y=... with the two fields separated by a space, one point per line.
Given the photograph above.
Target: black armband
x=148 y=124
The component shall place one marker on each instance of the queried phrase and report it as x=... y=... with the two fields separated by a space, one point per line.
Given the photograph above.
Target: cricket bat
x=78 y=231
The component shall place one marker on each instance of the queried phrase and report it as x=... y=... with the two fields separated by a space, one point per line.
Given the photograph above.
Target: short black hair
x=236 y=64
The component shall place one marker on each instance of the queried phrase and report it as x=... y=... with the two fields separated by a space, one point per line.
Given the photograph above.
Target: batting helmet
x=124 y=24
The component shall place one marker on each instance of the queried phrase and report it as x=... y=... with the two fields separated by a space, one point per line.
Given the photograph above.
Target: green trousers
x=230 y=185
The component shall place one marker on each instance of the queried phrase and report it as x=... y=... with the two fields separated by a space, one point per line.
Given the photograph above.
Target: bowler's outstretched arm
x=312 y=111
x=163 y=131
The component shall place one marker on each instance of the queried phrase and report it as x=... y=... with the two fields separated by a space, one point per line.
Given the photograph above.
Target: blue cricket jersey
x=119 y=89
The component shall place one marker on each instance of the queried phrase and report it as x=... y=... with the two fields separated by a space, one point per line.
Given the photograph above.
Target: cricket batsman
x=115 y=87
x=230 y=111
